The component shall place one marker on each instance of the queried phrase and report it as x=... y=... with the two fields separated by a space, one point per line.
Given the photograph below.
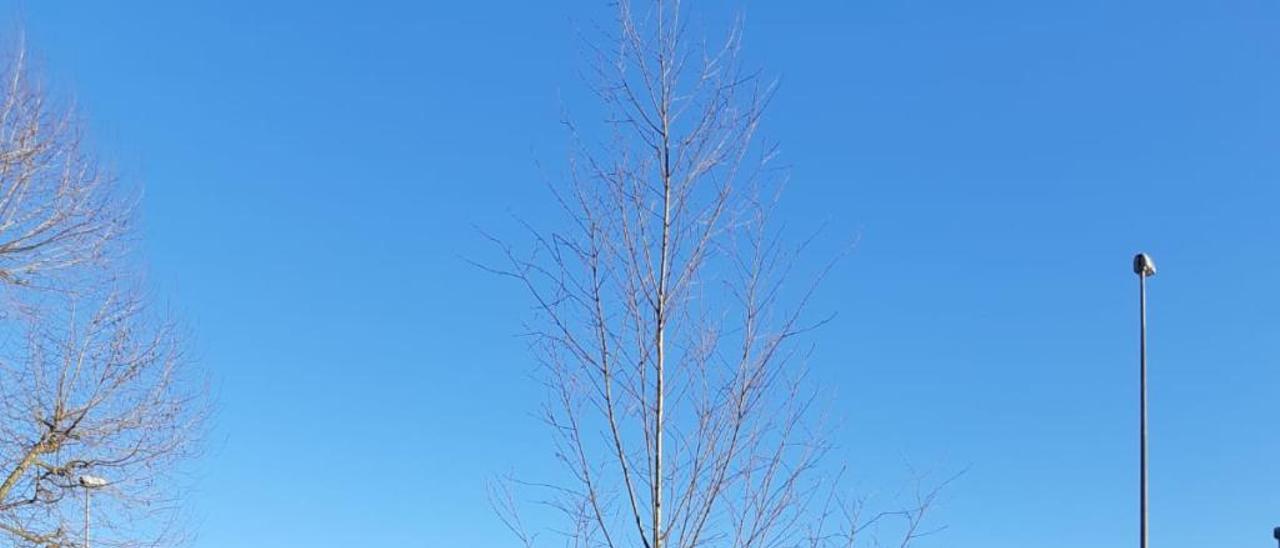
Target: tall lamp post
x=1144 y=267
x=89 y=483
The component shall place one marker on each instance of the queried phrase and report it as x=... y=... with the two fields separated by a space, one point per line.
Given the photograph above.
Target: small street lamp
x=89 y=483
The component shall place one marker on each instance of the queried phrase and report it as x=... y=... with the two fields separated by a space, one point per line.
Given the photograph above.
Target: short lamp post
x=89 y=483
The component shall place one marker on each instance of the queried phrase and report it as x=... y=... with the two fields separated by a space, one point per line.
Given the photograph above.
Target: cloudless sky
x=314 y=172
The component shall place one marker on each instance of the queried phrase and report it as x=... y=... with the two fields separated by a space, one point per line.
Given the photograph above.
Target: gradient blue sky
x=314 y=171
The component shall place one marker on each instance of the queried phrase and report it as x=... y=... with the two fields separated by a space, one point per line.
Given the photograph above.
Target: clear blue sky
x=314 y=172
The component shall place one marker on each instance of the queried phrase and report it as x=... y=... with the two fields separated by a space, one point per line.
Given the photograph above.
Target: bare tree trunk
x=660 y=320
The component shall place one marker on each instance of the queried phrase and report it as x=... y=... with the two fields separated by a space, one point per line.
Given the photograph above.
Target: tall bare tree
x=95 y=388
x=58 y=208
x=666 y=320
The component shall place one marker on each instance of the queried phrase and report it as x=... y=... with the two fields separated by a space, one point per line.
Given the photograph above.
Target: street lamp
x=1144 y=267
x=89 y=483
x=1276 y=533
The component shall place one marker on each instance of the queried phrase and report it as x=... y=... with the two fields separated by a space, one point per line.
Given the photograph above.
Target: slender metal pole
x=1142 y=353
x=86 y=517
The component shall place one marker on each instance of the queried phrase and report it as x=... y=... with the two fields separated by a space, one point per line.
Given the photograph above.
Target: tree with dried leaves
x=92 y=383
x=667 y=323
